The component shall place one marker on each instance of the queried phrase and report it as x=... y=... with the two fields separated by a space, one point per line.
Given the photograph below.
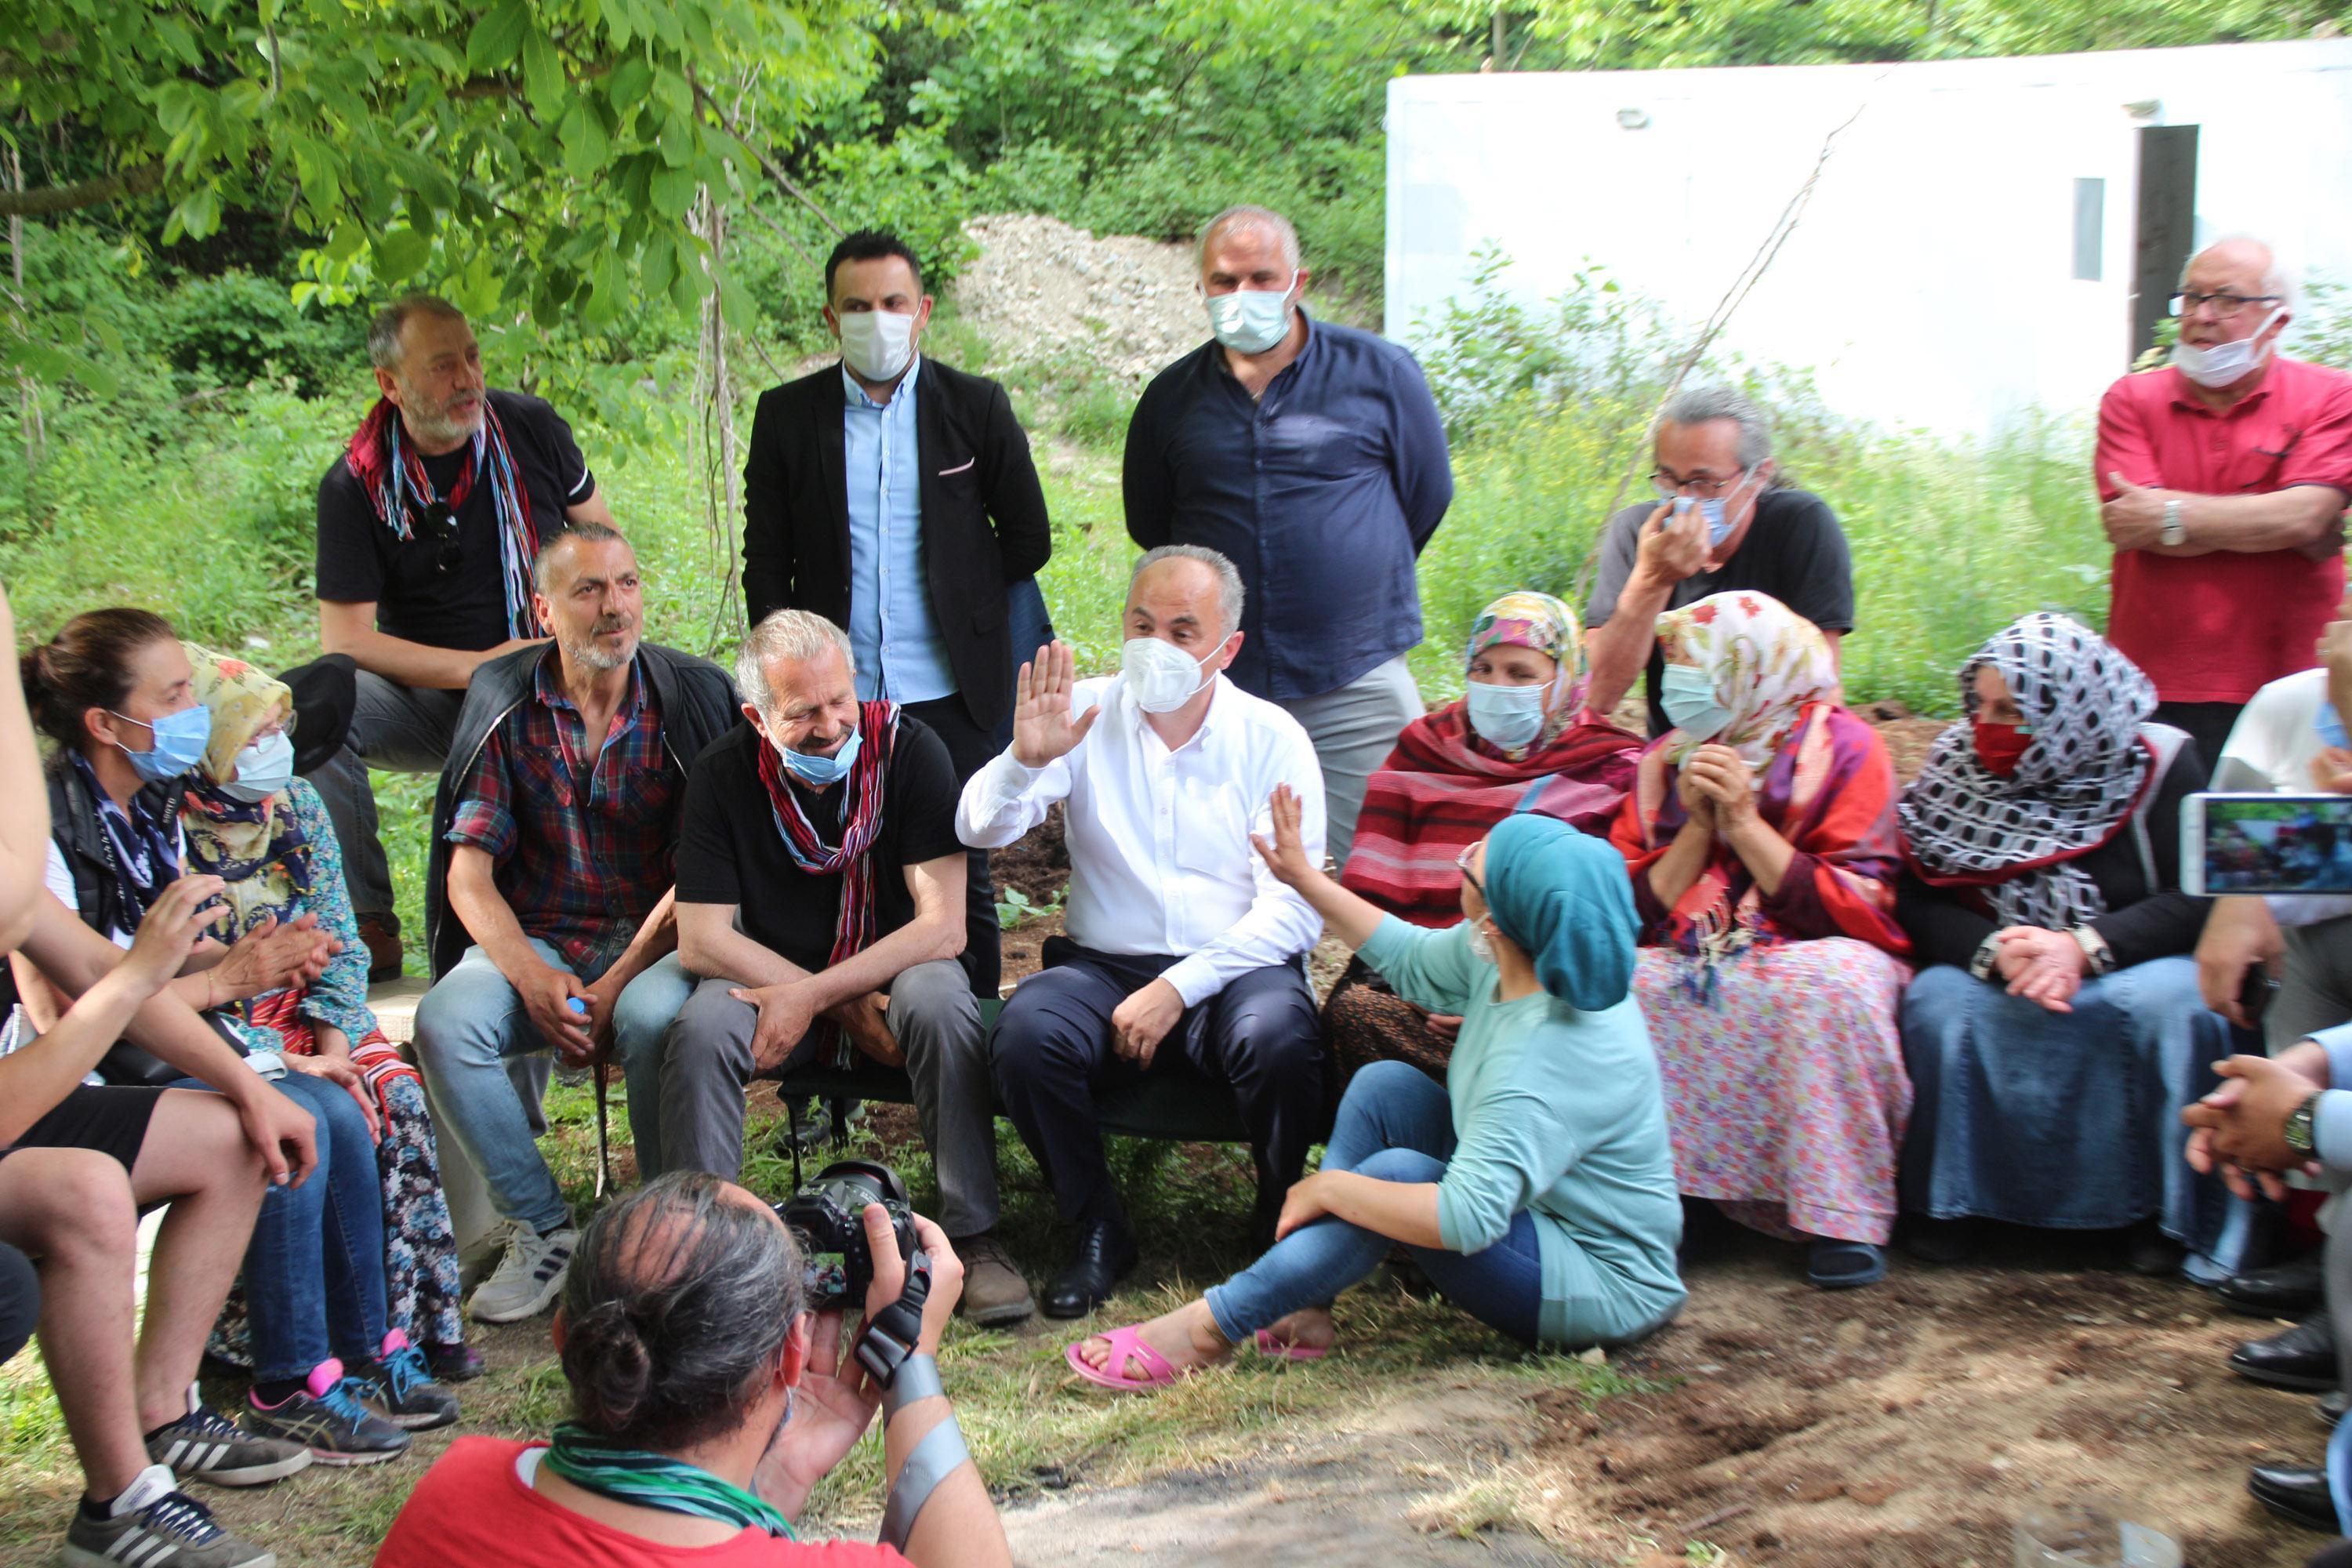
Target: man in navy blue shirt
x=1312 y=456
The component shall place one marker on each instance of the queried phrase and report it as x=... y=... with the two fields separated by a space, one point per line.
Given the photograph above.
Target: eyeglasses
x=1462 y=864
x=444 y=524
x=2224 y=305
x=1668 y=486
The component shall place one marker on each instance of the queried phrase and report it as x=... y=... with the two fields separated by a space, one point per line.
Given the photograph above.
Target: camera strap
x=892 y=1333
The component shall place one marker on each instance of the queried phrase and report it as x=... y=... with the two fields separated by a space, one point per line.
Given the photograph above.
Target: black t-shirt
x=361 y=561
x=730 y=850
x=1794 y=551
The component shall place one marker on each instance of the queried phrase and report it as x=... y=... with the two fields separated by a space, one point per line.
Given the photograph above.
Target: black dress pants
x=1052 y=1051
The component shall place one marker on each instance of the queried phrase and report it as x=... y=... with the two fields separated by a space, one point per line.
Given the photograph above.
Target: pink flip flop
x=1267 y=1345
x=1125 y=1343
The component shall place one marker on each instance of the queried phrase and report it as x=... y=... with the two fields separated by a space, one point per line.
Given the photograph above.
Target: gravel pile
x=1042 y=291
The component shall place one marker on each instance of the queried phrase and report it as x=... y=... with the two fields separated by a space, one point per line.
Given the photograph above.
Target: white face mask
x=2223 y=365
x=262 y=769
x=876 y=343
x=1160 y=674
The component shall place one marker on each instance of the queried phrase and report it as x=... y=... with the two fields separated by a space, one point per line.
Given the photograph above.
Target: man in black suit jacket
x=895 y=498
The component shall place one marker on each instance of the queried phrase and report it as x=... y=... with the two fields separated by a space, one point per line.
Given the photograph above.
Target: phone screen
x=2277 y=844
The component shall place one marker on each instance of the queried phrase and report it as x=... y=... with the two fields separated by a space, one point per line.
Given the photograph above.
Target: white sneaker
x=528 y=1278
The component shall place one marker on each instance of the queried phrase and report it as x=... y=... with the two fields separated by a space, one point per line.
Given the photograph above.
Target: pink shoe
x=1125 y=1344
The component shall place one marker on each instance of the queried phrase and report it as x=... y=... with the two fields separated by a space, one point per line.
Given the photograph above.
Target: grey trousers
x=706 y=1063
x=2315 y=983
x=1354 y=729
x=398 y=730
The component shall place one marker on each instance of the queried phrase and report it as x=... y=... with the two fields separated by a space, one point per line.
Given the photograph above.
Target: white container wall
x=1974 y=245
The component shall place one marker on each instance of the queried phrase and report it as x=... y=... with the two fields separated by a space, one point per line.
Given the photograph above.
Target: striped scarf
x=392 y=474
x=853 y=928
x=655 y=1480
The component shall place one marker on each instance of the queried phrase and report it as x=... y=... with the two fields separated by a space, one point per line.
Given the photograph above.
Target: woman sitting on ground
x=1761 y=837
x=2056 y=1031
x=1519 y=739
x=264 y=833
x=1534 y=1189
x=116 y=691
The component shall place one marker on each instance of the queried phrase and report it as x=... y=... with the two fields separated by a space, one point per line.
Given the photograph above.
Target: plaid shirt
x=583 y=852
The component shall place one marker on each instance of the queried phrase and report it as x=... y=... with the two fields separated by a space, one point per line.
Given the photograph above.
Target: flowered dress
x=1774 y=1014
x=421 y=1290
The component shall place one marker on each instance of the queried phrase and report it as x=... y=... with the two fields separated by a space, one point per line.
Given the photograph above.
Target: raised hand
x=1671 y=548
x=1285 y=857
x=1043 y=728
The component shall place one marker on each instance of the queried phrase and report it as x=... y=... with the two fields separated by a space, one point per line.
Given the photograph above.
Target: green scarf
x=655 y=1480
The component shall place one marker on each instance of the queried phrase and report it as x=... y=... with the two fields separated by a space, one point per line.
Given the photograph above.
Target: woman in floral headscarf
x=2055 y=1032
x=272 y=844
x=1761 y=837
x=1521 y=739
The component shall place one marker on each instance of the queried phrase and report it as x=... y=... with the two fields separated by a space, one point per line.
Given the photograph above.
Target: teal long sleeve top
x=1557 y=1113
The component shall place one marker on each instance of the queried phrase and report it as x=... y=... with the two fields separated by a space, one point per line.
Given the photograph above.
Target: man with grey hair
x=1184 y=957
x=821 y=912
x=1722 y=520
x=1312 y=456
x=2223 y=478
x=427 y=526
x=548 y=902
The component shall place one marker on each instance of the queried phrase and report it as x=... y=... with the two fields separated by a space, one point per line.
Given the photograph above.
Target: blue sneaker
x=401 y=1387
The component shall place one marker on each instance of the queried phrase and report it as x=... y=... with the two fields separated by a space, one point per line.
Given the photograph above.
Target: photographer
x=706 y=1403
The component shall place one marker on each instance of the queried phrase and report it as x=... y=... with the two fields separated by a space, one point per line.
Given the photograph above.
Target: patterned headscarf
x=2075 y=787
x=1528 y=618
x=254 y=847
x=1767 y=662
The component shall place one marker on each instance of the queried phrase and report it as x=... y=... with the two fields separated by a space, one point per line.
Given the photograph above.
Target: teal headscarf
x=1567 y=902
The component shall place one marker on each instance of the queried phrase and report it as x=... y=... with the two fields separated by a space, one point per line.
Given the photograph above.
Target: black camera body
x=828 y=1216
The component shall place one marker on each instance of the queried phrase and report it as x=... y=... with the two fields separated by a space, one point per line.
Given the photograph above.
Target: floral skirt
x=420 y=1247
x=1786 y=1095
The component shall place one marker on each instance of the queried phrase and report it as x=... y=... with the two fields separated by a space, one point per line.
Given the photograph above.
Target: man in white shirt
x=1181 y=944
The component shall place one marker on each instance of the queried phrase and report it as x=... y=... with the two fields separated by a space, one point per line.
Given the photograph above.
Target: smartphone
x=2266 y=844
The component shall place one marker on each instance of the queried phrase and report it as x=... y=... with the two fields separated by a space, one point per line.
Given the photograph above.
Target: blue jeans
x=1394 y=1125
x=468 y=1027
x=314 y=1271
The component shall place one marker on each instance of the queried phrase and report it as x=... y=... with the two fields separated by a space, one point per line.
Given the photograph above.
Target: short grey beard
x=588 y=656
x=436 y=430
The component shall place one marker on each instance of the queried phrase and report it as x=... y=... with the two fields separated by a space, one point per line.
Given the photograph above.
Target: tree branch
x=135 y=181
x=775 y=171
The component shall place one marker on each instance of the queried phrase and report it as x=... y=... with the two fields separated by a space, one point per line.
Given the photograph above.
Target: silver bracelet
x=917 y=1377
x=936 y=1457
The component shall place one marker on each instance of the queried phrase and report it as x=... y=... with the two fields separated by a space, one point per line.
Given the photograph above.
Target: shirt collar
x=2184 y=397
x=855 y=396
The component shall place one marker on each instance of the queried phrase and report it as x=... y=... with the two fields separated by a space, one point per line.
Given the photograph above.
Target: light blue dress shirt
x=901 y=654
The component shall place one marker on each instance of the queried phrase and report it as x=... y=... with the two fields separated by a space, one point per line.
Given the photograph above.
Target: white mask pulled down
x=2221 y=364
x=876 y=343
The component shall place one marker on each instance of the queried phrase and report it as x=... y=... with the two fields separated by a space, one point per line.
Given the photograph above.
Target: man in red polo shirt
x=2225 y=476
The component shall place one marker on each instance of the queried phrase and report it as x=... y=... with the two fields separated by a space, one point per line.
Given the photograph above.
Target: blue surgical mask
x=262 y=769
x=1716 y=509
x=1251 y=320
x=820 y=771
x=180 y=739
x=1511 y=717
x=1687 y=695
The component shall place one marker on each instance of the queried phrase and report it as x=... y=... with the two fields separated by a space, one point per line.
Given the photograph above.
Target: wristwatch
x=2174 y=530
x=2299 y=1133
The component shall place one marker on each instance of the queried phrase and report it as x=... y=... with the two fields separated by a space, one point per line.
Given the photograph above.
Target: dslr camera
x=828 y=1216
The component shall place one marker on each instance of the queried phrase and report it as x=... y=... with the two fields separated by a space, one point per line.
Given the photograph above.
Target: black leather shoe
x=2288 y=1289
x=2330 y=1408
x=2296 y=1495
x=1104 y=1254
x=2302 y=1358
